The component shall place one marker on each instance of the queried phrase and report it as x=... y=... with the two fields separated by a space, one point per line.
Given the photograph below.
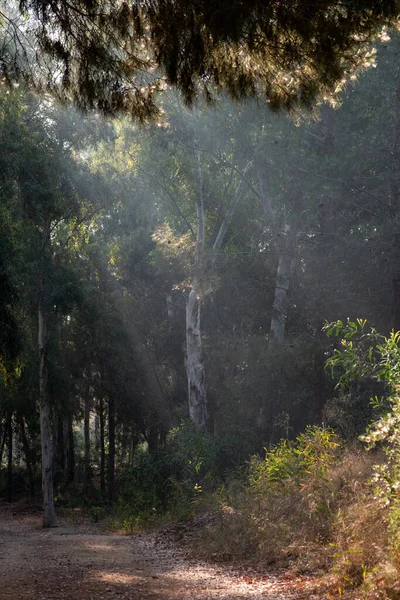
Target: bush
x=299 y=468
x=283 y=507
x=172 y=479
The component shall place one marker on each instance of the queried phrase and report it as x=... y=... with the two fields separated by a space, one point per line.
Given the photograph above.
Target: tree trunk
x=102 y=446
x=70 y=450
x=27 y=452
x=111 y=448
x=10 y=458
x=97 y=433
x=285 y=260
x=319 y=381
x=49 y=515
x=194 y=365
x=60 y=449
x=87 y=469
x=198 y=404
x=283 y=275
x=3 y=442
x=197 y=395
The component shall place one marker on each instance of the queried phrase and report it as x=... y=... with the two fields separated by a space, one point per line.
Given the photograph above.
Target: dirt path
x=79 y=562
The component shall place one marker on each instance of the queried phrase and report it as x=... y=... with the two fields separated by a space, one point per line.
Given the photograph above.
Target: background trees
x=117 y=238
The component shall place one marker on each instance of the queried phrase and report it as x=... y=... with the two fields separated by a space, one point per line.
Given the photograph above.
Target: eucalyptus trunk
x=60 y=447
x=111 y=448
x=197 y=393
x=70 y=449
x=198 y=403
x=87 y=470
x=102 y=445
x=3 y=442
x=10 y=458
x=282 y=284
x=49 y=515
x=28 y=456
x=194 y=364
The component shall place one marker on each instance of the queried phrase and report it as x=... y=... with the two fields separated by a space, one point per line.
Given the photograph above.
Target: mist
x=177 y=278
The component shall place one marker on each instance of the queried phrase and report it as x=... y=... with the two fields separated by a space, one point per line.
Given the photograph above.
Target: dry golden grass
x=337 y=527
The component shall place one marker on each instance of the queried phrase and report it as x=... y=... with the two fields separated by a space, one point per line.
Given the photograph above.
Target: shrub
x=283 y=507
x=301 y=467
x=170 y=479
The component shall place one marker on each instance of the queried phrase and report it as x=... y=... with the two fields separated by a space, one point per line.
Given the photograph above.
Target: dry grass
x=346 y=535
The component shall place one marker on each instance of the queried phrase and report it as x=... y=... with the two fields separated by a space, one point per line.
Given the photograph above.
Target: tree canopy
x=115 y=56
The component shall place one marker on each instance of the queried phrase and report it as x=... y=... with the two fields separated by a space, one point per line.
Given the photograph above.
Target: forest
x=199 y=322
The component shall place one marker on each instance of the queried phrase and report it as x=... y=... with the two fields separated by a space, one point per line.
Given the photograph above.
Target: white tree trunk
x=197 y=394
x=49 y=515
x=198 y=406
x=198 y=410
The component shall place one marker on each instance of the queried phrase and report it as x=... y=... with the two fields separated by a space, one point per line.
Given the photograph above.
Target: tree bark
x=10 y=458
x=285 y=260
x=3 y=442
x=111 y=448
x=60 y=449
x=102 y=446
x=97 y=433
x=194 y=366
x=87 y=469
x=198 y=410
x=49 y=515
x=70 y=450
x=28 y=459
x=283 y=276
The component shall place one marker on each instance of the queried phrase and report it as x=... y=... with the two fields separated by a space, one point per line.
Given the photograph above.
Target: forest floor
x=78 y=560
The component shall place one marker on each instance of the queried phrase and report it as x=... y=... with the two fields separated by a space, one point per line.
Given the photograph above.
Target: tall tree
x=47 y=210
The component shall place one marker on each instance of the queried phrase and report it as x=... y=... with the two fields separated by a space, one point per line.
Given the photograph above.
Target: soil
x=78 y=560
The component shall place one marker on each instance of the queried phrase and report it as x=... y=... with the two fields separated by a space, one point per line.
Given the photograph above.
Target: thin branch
x=167 y=191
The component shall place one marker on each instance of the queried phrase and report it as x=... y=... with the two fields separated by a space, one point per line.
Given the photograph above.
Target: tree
x=49 y=203
x=115 y=56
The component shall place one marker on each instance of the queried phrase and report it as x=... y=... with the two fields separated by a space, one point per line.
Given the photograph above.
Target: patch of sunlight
x=110 y=577
x=99 y=546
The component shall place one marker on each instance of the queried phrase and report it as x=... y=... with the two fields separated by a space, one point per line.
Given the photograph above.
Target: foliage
x=302 y=465
x=173 y=479
x=284 y=508
x=377 y=356
x=115 y=57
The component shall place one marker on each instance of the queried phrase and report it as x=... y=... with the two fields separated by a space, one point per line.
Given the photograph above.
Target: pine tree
x=115 y=56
